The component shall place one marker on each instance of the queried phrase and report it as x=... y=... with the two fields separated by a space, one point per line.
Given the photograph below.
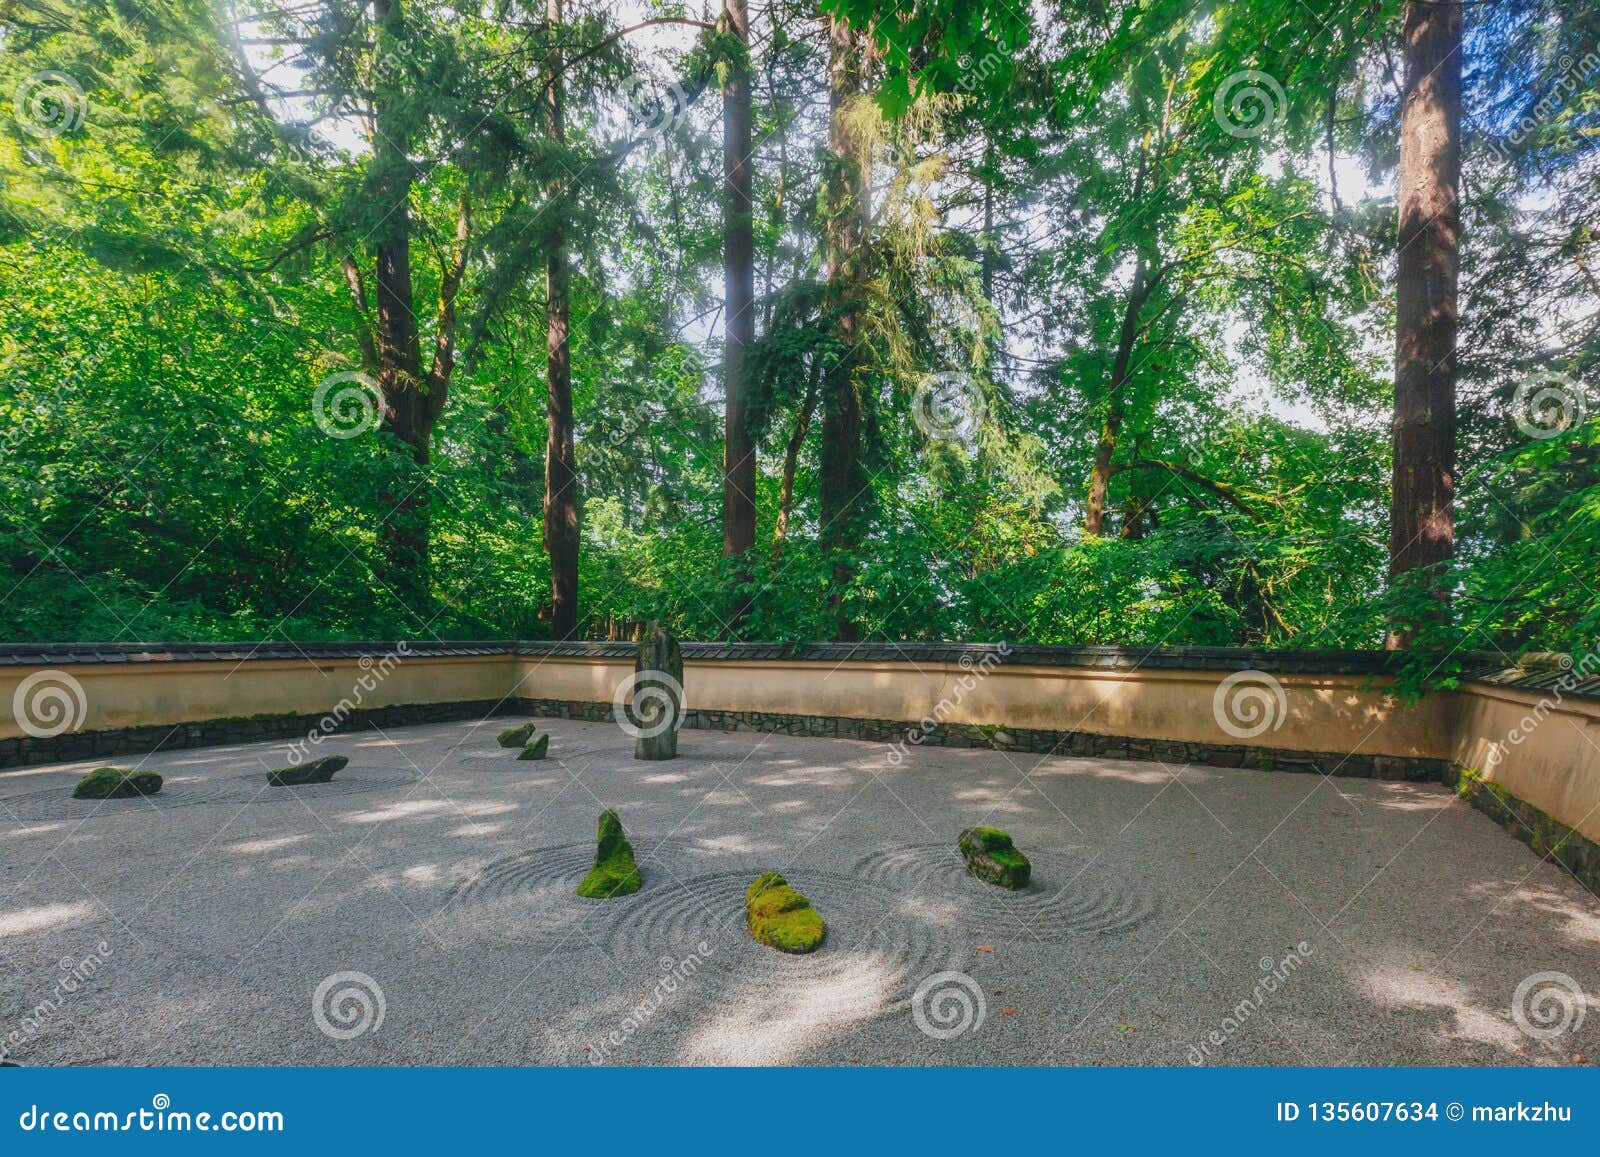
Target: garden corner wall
x=1522 y=744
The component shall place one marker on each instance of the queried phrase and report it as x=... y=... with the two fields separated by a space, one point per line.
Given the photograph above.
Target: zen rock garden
x=516 y=912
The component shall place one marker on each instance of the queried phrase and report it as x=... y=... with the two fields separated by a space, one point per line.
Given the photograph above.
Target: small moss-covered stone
x=517 y=736
x=614 y=872
x=537 y=749
x=116 y=783
x=317 y=771
x=990 y=856
x=780 y=917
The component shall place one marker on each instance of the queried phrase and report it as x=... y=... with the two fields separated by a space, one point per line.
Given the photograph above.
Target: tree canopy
x=1065 y=323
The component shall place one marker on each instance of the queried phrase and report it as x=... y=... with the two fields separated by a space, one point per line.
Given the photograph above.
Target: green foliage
x=171 y=263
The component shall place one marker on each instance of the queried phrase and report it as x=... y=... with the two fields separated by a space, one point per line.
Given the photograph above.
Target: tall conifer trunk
x=1422 y=516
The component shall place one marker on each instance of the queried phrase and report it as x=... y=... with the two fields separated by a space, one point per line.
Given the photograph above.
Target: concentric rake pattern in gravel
x=530 y=898
x=879 y=945
x=1067 y=896
x=57 y=803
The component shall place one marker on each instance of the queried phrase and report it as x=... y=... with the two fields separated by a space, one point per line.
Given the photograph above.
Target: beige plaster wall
x=116 y=695
x=1545 y=751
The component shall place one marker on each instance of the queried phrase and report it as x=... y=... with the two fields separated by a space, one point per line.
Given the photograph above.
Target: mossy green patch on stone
x=780 y=917
x=317 y=771
x=517 y=736
x=537 y=749
x=116 y=783
x=614 y=872
x=990 y=856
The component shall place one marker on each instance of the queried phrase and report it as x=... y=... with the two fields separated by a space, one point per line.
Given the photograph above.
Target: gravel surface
x=420 y=909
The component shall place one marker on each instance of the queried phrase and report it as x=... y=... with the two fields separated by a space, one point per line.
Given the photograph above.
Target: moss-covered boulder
x=990 y=857
x=781 y=917
x=116 y=783
x=538 y=749
x=317 y=771
x=517 y=736
x=614 y=872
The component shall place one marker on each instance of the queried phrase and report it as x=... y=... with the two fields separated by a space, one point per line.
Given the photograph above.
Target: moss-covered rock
x=990 y=856
x=537 y=749
x=317 y=771
x=780 y=917
x=517 y=736
x=116 y=783
x=614 y=872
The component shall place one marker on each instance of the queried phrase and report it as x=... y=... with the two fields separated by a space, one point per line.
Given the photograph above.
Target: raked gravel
x=1177 y=913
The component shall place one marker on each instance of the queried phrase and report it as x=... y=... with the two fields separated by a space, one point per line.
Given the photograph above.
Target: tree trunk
x=560 y=471
x=841 y=484
x=1422 y=517
x=739 y=282
x=403 y=533
x=1111 y=428
x=791 y=454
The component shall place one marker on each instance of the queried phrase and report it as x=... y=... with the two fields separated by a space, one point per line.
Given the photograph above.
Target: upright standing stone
x=657 y=695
